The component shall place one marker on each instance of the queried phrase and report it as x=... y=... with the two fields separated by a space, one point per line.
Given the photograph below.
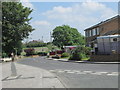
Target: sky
x=80 y=15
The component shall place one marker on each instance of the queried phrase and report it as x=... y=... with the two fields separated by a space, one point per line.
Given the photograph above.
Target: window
x=94 y=32
x=90 y=33
x=97 y=31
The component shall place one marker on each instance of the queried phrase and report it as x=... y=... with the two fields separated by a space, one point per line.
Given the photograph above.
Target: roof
x=97 y=25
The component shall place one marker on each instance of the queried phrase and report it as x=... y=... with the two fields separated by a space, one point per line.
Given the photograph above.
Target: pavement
x=84 y=61
x=15 y=75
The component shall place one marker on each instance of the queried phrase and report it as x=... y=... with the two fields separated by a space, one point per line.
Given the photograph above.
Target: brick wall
x=105 y=58
x=109 y=26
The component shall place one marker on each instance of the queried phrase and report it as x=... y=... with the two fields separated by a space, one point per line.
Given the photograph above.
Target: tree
x=79 y=53
x=15 y=25
x=65 y=36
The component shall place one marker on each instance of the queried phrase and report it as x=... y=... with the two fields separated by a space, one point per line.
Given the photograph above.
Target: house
x=104 y=28
x=104 y=38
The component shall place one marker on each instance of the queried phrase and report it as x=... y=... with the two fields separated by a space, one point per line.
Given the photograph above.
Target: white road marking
x=88 y=71
x=61 y=71
x=70 y=72
x=112 y=74
x=81 y=73
x=96 y=73
x=103 y=72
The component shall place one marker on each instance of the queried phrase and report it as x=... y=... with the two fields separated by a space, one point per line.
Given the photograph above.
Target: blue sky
x=81 y=15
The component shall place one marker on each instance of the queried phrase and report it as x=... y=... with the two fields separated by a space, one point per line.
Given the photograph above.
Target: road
x=78 y=75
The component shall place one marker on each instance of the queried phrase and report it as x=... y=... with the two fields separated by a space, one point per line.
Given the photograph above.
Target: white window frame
x=94 y=31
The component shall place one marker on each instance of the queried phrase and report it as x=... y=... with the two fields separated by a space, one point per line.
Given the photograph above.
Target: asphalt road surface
x=78 y=75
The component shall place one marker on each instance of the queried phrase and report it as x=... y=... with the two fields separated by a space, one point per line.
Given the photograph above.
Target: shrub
x=76 y=54
x=65 y=54
x=79 y=53
x=87 y=50
x=83 y=55
x=4 y=55
x=35 y=53
x=42 y=53
x=56 y=56
x=29 y=51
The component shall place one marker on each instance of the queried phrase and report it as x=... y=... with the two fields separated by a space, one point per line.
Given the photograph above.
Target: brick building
x=108 y=27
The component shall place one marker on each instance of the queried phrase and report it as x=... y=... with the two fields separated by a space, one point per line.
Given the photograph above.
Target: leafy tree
x=65 y=36
x=15 y=26
x=80 y=53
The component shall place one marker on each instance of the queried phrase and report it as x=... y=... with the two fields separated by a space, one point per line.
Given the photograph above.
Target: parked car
x=5 y=59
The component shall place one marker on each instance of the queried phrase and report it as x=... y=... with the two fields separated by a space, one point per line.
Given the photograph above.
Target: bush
x=35 y=53
x=79 y=53
x=56 y=56
x=4 y=55
x=65 y=54
x=83 y=55
x=87 y=50
x=29 y=51
x=76 y=54
x=42 y=53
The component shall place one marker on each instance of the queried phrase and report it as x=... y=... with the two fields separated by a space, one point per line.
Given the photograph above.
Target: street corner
x=29 y=77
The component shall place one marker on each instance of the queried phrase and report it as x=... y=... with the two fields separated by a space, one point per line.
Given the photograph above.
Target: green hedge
x=42 y=53
x=65 y=54
x=29 y=51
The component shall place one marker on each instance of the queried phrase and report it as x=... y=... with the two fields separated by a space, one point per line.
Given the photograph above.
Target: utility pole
x=42 y=38
x=50 y=36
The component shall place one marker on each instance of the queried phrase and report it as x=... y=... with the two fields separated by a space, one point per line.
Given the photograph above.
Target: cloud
x=41 y=23
x=61 y=9
x=83 y=14
x=80 y=15
x=27 y=3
